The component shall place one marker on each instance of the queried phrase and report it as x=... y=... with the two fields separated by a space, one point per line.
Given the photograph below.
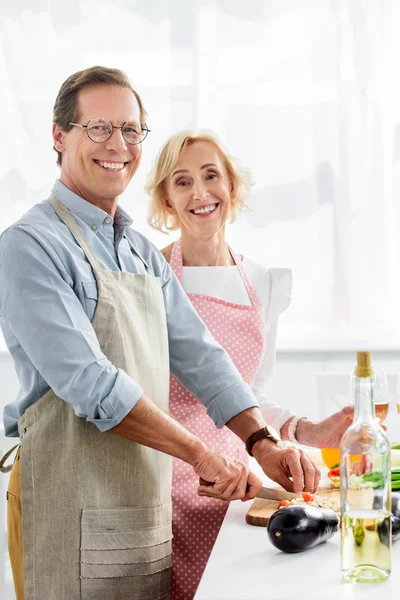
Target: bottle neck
x=364 y=409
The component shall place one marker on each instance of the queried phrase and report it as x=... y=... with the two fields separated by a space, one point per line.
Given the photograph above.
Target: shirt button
x=107 y=220
x=94 y=227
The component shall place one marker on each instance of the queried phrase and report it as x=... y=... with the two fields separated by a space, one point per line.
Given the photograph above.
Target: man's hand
x=326 y=433
x=231 y=480
x=290 y=467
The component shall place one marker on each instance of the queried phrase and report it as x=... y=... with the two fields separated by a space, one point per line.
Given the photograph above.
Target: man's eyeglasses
x=100 y=130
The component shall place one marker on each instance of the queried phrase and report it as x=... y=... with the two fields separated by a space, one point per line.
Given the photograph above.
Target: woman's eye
x=181 y=183
x=212 y=176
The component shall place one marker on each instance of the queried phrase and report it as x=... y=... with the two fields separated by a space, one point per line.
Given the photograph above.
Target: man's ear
x=169 y=206
x=58 y=138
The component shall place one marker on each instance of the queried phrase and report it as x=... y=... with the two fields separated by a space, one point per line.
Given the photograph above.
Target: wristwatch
x=266 y=432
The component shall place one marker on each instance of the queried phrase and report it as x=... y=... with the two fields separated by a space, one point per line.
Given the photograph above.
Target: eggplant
x=395 y=518
x=300 y=527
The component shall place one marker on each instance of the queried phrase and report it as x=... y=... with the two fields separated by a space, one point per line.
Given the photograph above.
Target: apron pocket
x=129 y=546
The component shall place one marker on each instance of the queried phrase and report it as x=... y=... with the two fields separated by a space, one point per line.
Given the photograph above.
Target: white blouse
x=273 y=288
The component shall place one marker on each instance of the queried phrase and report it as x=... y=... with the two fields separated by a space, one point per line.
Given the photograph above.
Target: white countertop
x=245 y=566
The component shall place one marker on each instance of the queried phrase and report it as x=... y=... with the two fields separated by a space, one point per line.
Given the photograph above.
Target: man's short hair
x=65 y=109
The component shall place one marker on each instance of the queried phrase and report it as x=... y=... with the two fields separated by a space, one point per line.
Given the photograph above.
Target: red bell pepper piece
x=334 y=472
x=307 y=497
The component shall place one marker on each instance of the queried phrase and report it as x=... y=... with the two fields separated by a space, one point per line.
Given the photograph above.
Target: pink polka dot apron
x=240 y=329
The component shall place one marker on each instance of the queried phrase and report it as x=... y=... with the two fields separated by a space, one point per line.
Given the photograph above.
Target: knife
x=276 y=493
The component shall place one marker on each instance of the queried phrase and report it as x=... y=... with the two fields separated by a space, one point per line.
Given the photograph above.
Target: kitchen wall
x=301 y=381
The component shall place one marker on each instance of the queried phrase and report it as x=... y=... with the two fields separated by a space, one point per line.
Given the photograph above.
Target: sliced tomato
x=334 y=472
x=307 y=497
x=283 y=503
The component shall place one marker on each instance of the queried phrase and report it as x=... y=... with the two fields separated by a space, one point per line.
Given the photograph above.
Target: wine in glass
x=398 y=394
x=381 y=395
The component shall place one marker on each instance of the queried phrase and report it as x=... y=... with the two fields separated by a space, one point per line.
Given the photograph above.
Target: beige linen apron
x=96 y=508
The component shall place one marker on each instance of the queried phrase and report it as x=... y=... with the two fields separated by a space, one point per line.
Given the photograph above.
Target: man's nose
x=116 y=142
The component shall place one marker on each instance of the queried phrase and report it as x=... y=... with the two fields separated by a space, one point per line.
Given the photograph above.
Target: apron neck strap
x=176 y=259
x=66 y=217
x=249 y=288
x=135 y=249
x=177 y=265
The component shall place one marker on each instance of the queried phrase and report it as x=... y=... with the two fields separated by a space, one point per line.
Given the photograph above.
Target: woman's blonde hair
x=166 y=161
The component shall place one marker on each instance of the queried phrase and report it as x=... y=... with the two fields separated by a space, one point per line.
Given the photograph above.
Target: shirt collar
x=93 y=216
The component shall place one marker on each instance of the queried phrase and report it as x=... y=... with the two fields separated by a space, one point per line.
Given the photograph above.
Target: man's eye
x=98 y=128
x=131 y=130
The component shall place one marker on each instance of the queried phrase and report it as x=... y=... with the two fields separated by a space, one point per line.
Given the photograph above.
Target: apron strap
x=249 y=288
x=3 y=468
x=66 y=217
x=135 y=249
x=177 y=264
x=176 y=259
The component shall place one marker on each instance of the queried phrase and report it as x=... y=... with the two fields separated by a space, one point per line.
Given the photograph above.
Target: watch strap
x=261 y=434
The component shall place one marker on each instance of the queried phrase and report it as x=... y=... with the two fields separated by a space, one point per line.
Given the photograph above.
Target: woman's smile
x=205 y=210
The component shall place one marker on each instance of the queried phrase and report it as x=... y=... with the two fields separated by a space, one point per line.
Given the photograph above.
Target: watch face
x=273 y=433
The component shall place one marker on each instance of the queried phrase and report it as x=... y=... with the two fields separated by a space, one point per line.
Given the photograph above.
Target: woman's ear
x=232 y=189
x=169 y=206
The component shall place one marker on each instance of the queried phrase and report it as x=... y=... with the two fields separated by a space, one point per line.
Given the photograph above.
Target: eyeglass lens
x=100 y=130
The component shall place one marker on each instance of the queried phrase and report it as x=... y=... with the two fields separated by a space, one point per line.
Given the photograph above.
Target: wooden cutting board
x=261 y=510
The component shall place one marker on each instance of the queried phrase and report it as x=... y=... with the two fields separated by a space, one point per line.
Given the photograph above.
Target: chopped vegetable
x=334 y=472
x=307 y=497
x=373 y=479
x=334 y=476
x=396 y=478
x=311 y=500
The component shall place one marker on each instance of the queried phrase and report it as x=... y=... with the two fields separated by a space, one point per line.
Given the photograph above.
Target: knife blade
x=276 y=494
x=265 y=493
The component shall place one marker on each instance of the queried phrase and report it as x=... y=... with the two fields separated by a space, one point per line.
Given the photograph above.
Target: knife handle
x=204 y=482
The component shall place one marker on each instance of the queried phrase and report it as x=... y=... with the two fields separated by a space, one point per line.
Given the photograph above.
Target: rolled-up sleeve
x=198 y=361
x=39 y=306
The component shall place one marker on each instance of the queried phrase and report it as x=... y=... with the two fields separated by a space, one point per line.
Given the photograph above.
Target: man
x=95 y=319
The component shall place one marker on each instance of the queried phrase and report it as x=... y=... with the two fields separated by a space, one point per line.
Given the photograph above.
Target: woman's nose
x=200 y=191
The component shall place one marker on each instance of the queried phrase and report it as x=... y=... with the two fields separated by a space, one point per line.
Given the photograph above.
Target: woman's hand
x=326 y=433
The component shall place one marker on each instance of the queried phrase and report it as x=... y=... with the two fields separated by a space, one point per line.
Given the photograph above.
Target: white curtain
x=306 y=93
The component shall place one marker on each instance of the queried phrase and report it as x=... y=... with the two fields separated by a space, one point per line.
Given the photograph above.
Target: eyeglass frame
x=145 y=128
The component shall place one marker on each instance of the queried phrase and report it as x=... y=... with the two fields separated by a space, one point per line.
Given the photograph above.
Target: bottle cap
x=363 y=368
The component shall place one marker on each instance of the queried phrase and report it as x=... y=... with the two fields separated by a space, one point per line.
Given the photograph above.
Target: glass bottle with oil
x=365 y=483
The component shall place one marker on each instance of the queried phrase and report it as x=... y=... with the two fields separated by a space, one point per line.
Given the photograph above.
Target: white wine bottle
x=365 y=485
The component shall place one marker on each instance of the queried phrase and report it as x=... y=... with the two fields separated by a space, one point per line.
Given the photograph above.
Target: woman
x=195 y=187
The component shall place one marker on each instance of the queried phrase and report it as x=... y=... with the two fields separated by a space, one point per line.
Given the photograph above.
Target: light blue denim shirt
x=48 y=297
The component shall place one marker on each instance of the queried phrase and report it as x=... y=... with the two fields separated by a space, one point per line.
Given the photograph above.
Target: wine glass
x=397 y=399
x=381 y=395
